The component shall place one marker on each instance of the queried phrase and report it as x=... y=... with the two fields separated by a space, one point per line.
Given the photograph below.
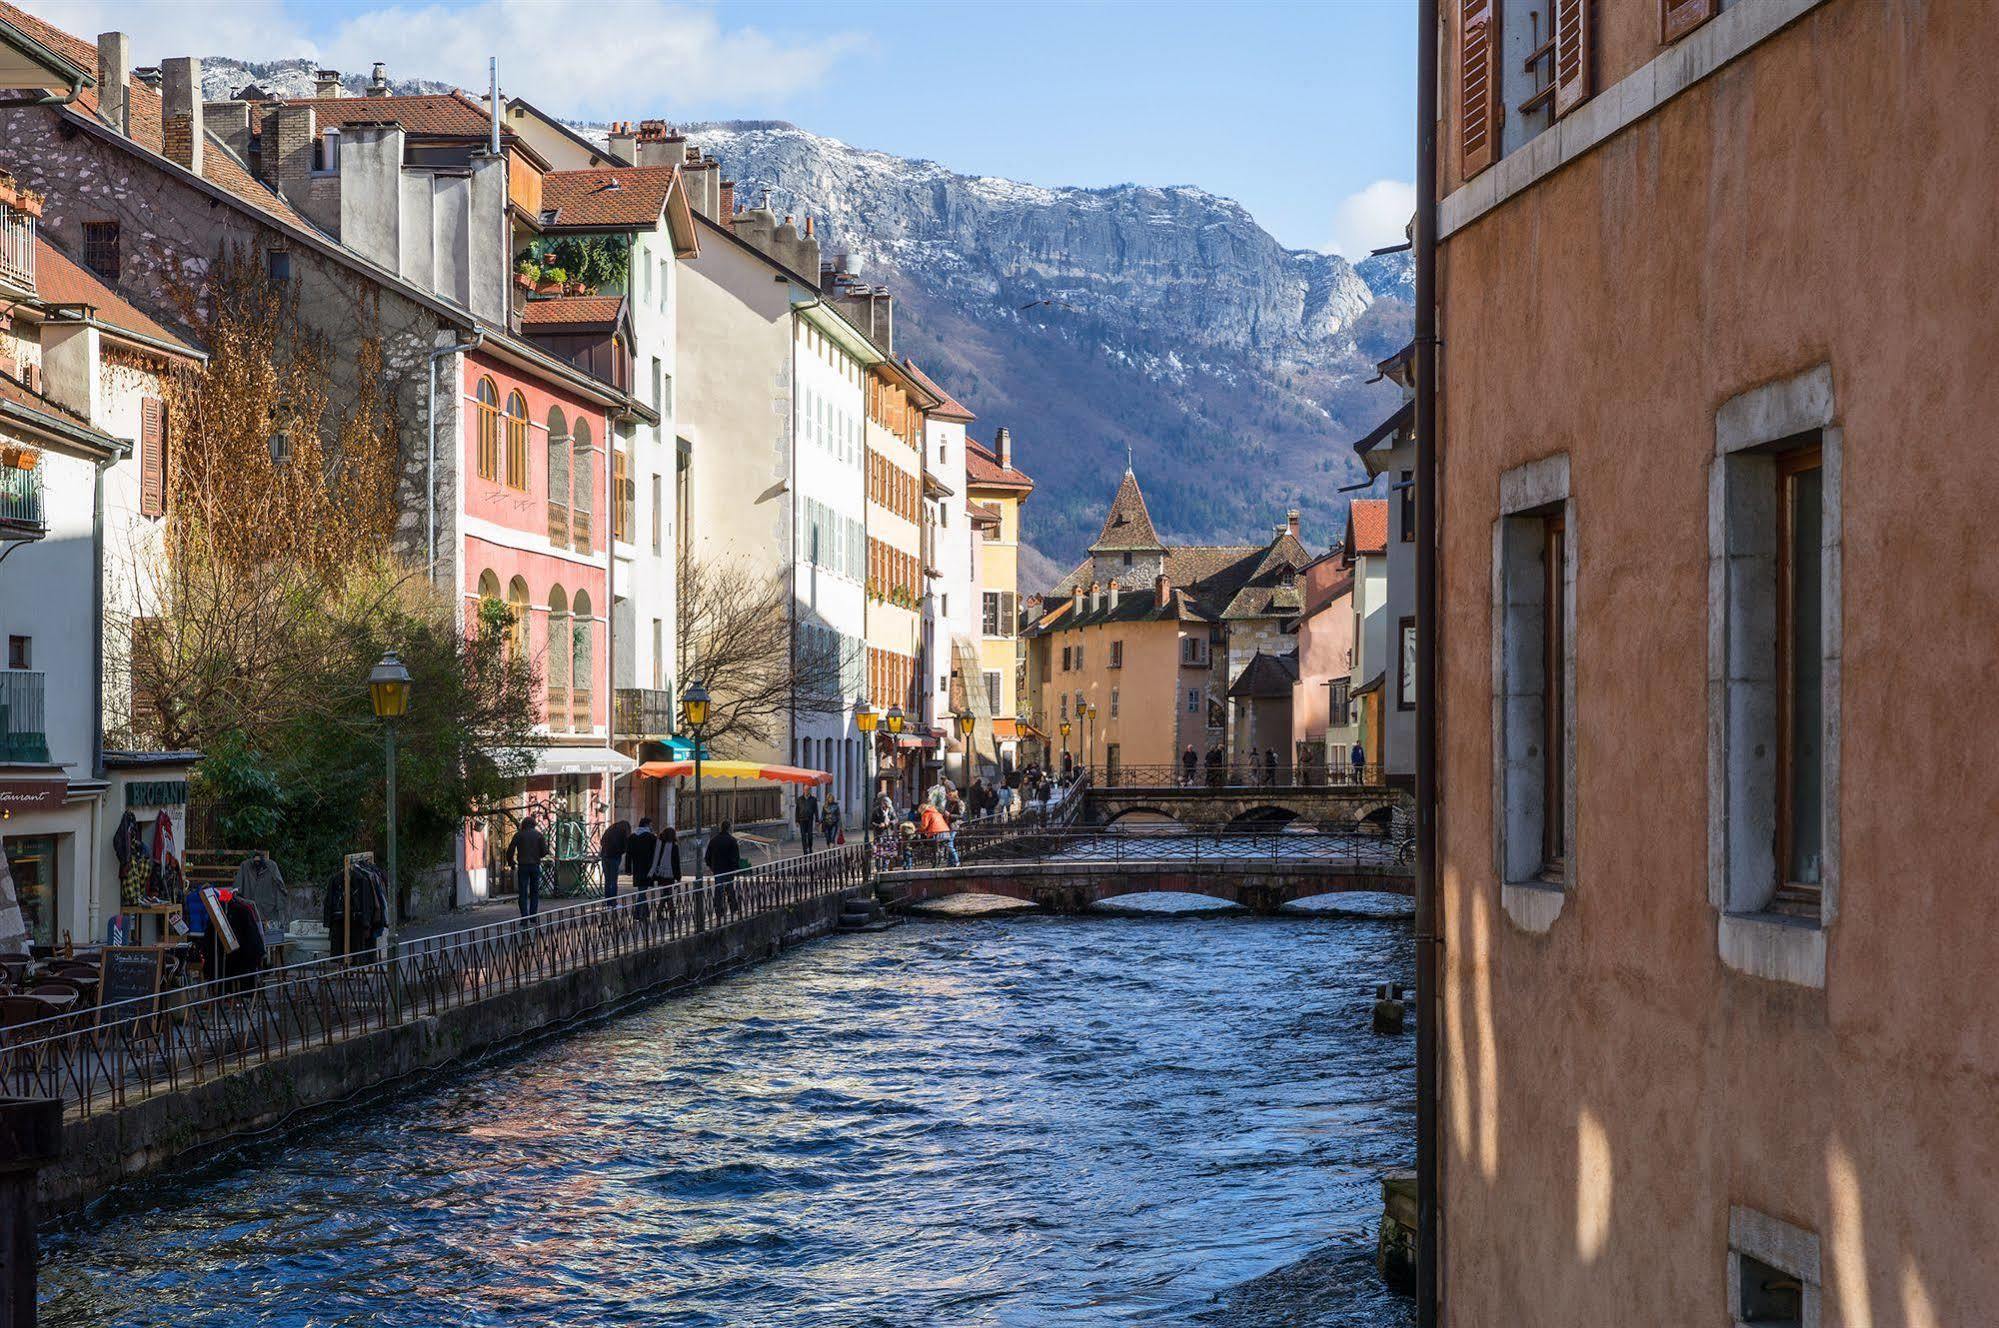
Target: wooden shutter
x=1478 y=83
x=1573 y=23
x=1677 y=18
x=152 y=457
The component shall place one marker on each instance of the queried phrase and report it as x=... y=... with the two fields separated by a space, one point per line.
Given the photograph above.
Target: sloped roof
x=1138 y=604
x=985 y=512
x=27 y=408
x=572 y=311
x=983 y=470
x=442 y=114
x=1392 y=427
x=61 y=280
x=1128 y=526
x=1367 y=526
x=950 y=409
x=607 y=196
x=1266 y=676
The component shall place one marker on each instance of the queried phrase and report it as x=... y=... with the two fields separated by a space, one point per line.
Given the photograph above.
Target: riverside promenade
x=148 y=1081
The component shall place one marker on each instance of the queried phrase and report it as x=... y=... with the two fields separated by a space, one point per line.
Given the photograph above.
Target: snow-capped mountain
x=1087 y=320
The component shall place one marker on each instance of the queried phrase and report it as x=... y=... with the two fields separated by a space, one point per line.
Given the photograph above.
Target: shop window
x=31 y=859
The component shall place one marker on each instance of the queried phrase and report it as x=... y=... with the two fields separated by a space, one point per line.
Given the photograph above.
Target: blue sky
x=1301 y=111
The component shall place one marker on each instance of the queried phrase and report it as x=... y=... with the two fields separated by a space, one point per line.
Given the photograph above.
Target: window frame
x=516 y=472
x=103 y=248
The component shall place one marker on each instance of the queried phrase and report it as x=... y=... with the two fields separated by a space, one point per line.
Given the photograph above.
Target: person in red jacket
x=934 y=826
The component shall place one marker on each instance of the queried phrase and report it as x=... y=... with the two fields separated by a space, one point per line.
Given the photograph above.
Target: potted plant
x=19 y=458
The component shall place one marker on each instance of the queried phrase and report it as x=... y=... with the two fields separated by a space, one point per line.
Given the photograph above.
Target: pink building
x=1325 y=659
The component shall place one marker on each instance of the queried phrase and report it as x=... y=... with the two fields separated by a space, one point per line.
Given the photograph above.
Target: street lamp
x=967 y=721
x=694 y=714
x=865 y=720
x=389 y=691
x=1090 y=751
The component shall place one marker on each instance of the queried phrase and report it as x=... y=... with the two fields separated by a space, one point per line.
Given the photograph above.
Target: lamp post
x=694 y=714
x=1090 y=749
x=865 y=720
x=1065 y=737
x=966 y=722
x=389 y=691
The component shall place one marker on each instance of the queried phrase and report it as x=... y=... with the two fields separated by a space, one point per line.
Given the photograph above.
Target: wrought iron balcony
x=17 y=247
x=645 y=712
x=23 y=736
x=21 y=514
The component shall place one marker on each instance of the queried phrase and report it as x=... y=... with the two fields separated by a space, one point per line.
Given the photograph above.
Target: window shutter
x=1478 y=83
x=1677 y=18
x=152 y=457
x=1572 y=62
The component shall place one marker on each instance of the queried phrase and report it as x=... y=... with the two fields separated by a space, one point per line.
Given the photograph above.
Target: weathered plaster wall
x=1611 y=1089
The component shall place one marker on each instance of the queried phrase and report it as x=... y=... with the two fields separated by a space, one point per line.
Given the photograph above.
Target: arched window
x=580 y=662
x=488 y=410
x=580 y=480
x=517 y=600
x=558 y=659
x=489 y=596
x=517 y=441
x=558 y=477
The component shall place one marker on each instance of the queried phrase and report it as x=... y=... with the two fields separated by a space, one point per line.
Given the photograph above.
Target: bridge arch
x=1164 y=817
x=1264 y=817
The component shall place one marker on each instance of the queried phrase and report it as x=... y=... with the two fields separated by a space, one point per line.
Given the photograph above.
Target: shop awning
x=776 y=774
x=910 y=741
x=1008 y=729
x=581 y=761
x=682 y=749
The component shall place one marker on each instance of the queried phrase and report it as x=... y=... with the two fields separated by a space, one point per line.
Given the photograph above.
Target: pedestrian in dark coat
x=525 y=855
x=665 y=877
x=1270 y=767
x=611 y=852
x=806 y=813
x=723 y=858
x=640 y=849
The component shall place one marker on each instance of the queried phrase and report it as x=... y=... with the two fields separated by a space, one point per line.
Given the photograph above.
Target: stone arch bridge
x=1242 y=806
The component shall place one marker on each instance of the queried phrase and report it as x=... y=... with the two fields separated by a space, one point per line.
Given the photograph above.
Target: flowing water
x=1034 y=1122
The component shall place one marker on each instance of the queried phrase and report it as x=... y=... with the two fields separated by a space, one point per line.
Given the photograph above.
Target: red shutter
x=1677 y=18
x=1573 y=24
x=152 y=457
x=1478 y=84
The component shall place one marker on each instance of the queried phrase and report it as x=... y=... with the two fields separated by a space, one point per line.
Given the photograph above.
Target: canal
x=1025 y=1122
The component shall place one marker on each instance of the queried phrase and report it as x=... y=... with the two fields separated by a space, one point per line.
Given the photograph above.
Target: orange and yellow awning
x=776 y=774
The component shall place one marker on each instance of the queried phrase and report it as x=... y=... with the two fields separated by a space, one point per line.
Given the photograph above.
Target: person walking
x=1187 y=766
x=640 y=849
x=1270 y=767
x=830 y=821
x=935 y=826
x=611 y=853
x=723 y=857
x=525 y=855
x=663 y=876
x=1358 y=757
x=805 y=811
x=1005 y=801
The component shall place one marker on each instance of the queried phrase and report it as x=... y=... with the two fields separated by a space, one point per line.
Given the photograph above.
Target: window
x=278 y=264
x=1127 y=558
x=622 y=490
x=1405 y=691
x=1114 y=703
x=100 y=248
x=1065 y=705
x=1534 y=573
x=659 y=656
x=1117 y=658
x=993 y=691
x=658 y=385
x=517 y=603
x=152 y=457
x=20 y=651
x=1405 y=490
x=558 y=477
x=1193 y=700
x=1065 y=659
x=666 y=395
x=658 y=514
x=997 y=613
x=1079 y=657
x=1339 y=702
x=582 y=484
x=1773 y=683
x=1677 y=18
x=517 y=441
x=558 y=659
x=1194 y=652
x=486 y=411
x=648 y=297
x=579 y=658
x=1773 y=1272
x=32 y=861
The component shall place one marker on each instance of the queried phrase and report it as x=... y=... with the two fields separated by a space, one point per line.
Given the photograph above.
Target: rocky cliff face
x=1089 y=320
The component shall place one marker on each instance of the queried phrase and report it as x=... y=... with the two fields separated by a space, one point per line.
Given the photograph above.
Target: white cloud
x=593 y=60
x=1374 y=218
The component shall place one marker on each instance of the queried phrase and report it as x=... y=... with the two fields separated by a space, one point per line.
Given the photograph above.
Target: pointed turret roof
x=1128 y=527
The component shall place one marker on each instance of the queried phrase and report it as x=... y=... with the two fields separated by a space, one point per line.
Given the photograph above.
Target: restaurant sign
x=31 y=795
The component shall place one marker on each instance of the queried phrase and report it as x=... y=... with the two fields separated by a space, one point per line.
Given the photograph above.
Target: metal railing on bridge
x=100 y=1057
x=1387 y=849
x=1236 y=775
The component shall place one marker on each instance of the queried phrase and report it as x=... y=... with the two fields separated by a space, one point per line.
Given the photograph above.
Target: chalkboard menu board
x=130 y=972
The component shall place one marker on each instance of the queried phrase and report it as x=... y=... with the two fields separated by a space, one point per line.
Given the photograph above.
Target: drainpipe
x=430 y=463
x=96 y=686
x=1428 y=543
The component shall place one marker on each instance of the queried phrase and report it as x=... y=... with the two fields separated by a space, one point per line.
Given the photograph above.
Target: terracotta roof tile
x=951 y=409
x=573 y=311
x=987 y=512
x=219 y=166
x=61 y=280
x=1128 y=525
x=447 y=114
x=983 y=469
x=607 y=196
x=55 y=415
x=1367 y=526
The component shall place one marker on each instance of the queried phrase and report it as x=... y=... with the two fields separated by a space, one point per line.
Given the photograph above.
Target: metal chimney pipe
x=493 y=68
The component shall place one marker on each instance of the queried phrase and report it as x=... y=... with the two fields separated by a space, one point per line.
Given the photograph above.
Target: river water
x=1030 y=1122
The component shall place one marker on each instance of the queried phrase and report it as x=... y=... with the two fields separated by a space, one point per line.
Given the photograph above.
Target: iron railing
x=21 y=512
x=17 y=246
x=1237 y=774
x=1383 y=847
x=23 y=731
x=101 y=1058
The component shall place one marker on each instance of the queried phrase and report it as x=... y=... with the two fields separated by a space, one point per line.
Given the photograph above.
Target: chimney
x=378 y=82
x=829 y=278
x=1114 y=594
x=727 y=207
x=114 y=80
x=808 y=249
x=284 y=157
x=1076 y=600
x=326 y=82
x=1003 y=447
x=1291 y=522
x=1161 y=591
x=229 y=121
x=180 y=111
x=881 y=316
x=624 y=143
x=1096 y=596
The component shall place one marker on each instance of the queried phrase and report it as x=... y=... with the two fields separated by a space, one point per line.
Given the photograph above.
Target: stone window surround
x=1787 y=1248
x=1536 y=488
x=1741 y=807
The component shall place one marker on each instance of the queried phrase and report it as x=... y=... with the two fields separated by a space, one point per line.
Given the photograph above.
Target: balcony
x=645 y=712
x=23 y=737
x=17 y=247
x=21 y=515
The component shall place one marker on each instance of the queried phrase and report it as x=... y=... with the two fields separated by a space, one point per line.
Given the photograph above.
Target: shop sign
x=156 y=793
x=32 y=795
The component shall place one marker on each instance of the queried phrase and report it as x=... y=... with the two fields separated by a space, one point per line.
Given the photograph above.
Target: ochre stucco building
x=1718 y=829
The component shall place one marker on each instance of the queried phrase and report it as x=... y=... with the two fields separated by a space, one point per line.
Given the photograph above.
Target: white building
x=1366 y=551
x=950 y=603
x=1390 y=451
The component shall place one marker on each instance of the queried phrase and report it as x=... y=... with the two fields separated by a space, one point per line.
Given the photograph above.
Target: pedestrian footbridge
x=1247 y=805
